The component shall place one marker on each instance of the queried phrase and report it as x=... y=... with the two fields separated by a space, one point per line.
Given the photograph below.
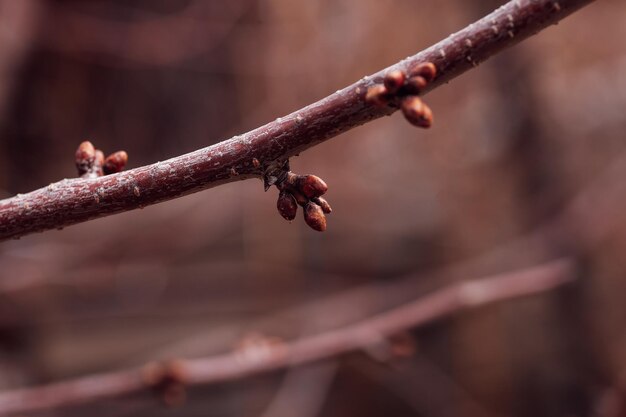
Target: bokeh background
x=525 y=163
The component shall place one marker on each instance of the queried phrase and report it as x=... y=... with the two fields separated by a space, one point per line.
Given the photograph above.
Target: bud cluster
x=397 y=85
x=91 y=163
x=306 y=191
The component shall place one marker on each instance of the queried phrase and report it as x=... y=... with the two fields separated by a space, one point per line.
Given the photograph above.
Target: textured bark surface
x=72 y=201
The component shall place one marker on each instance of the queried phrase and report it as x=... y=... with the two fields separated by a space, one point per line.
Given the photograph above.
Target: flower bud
x=85 y=157
x=394 y=80
x=377 y=95
x=428 y=70
x=115 y=162
x=416 y=112
x=416 y=84
x=96 y=170
x=286 y=205
x=311 y=185
x=314 y=217
x=326 y=208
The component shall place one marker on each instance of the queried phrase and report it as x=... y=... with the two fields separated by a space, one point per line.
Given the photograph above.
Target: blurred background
x=525 y=163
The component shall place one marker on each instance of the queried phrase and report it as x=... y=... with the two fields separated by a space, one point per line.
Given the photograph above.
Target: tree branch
x=260 y=357
x=258 y=152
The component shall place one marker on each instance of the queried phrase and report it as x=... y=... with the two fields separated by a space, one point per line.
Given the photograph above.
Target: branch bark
x=242 y=363
x=252 y=154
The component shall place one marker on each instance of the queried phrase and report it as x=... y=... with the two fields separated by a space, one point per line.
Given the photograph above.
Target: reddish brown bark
x=73 y=201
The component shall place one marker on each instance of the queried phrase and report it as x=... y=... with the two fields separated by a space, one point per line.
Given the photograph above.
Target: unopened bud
x=115 y=162
x=377 y=95
x=394 y=80
x=416 y=84
x=428 y=70
x=314 y=217
x=301 y=199
x=85 y=157
x=416 y=112
x=287 y=205
x=311 y=186
x=96 y=170
x=326 y=208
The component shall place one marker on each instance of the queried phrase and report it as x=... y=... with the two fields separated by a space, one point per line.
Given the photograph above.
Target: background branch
x=274 y=355
x=72 y=201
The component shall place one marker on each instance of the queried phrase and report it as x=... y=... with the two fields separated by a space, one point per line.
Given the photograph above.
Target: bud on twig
x=416 y=84
x=96 y=171
x=314 y=217
x=323 y=204
x=377 y=95
x=416 y=112
x=394 y=80
x=85 y=157
x=115 y=162
x=311 y=186
x=287 y=205
x=428 y=70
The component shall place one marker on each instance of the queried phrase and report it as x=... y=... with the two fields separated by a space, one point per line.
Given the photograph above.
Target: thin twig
x=250 y=155
x=277 y=355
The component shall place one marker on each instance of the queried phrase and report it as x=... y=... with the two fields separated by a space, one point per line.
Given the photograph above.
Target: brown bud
x=85 y=157
x=96 y=170
x=326 y=208
x=416 y=84
x=416 y=112
x=301 y=199
x=377 y=95
x=428 y=70
x=115 y=162
x=314 y=217
x=394 y=80
x=287 y=205
x=311 y=185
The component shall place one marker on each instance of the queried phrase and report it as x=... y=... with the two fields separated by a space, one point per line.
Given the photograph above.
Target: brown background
x=525 y=163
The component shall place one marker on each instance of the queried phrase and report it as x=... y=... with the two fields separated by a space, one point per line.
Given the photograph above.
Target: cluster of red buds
x=91 y=163
x=406 y=88
x=167 y=380
x=306 y=191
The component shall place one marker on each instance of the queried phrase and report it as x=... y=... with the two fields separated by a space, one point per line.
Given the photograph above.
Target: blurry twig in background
x=303 y=391
x=270 y=354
